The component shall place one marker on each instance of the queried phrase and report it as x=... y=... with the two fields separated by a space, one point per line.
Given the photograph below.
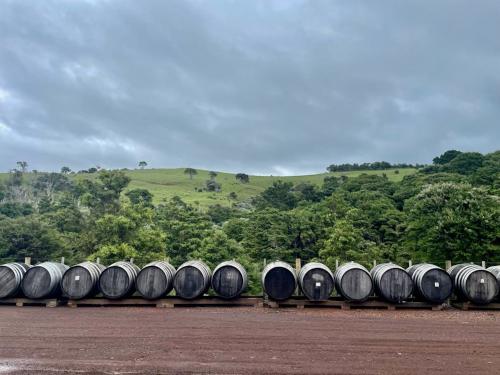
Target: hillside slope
x=167 y=183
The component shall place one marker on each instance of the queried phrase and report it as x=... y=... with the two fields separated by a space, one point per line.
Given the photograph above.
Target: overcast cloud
x=283 y=87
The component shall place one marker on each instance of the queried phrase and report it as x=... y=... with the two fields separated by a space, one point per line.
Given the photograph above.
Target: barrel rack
x=298 y=302
x=471 y=306
x=337 y=302
x=169 y=302
x=20 y=302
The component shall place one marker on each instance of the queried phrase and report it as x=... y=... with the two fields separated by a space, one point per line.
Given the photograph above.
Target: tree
x=465 y=163
x=23 y=165
x=191 y=172
x=29 y=236
x=231 y=196
x=308 y=192
x=212 y=185
x=50 y=183
x=212 y=175
x=219 y=214
x=65 y=170
x=454 y=221
x=279 y=195
x=330 y=184
x=15 y=209
x=243 y=178
x=110 y=254
x=140 y=196
x=143 y=164
x=268 y=235
x=446 y=157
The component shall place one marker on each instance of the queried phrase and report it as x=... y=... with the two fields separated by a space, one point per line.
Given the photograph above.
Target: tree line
x=447 y=210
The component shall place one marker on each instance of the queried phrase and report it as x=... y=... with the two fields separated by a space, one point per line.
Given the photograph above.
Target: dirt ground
x=247 y=340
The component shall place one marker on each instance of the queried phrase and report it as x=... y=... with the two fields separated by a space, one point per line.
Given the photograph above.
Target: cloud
x=265 y=87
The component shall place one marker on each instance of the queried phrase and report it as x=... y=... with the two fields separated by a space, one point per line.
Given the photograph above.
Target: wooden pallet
x=371 y=303
x=168 y=302
x=471 y=306
x=20 y=302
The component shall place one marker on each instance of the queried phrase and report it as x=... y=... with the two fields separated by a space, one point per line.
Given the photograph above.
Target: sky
x=261 y=87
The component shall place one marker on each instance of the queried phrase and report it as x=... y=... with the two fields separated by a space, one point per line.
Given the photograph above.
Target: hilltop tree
x=446 y=157
x=212 y=175
x=65 y=170
x=23 y=165
x=143 y=164
x=191 y=172
x=465 y=163
x=243 y=178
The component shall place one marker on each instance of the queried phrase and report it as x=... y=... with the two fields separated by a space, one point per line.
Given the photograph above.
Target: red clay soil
x=247 y=340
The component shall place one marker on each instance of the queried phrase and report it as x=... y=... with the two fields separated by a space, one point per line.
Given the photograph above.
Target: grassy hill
x=166 y=183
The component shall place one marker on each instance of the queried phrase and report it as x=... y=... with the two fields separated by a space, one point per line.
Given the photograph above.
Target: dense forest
x=449 y=210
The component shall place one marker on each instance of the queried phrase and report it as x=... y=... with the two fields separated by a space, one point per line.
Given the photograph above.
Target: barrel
x=11 y=277
x=279 y=280
x=82 y=280
x=192 y=279
x=474 y=283
x=316 y=281
x=353 y=282
x=155 y=280
x=430 y=282
x=118 y=280
x=43 y=280
x=229 y=279
x=495 y=270
x=392 y=282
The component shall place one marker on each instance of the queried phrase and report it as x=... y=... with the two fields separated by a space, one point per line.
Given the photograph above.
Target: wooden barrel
x=155 y=280
x=192 y=279
x=82 y=280
x=474 y=283
x=495 y=270
x=392 y=282
x=43 y=280
x=431 y=282
x=353 y=282
x=279 y=280
x=316 y=281
x=11 y=277
x=229 y=279
x=118 y=280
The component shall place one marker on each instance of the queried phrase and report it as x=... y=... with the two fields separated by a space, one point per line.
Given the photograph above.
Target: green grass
x=166 y=183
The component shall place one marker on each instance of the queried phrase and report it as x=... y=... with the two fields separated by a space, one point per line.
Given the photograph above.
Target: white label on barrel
x=77 y=278
x=436 y=285
x=318 y=284
x=482 y=281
